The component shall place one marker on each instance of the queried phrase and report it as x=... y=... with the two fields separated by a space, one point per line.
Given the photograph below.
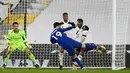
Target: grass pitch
x=42 y=70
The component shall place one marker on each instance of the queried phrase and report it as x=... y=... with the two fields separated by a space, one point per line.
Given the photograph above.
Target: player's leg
x=10 y=50
x=61 y=55
x=24 y=48
x=31 y=56
x=77 y=51
x=78 y=62
x=100 y=49
x=80 y=52
x=74 y=57
x=88 y=46
x=79 y=57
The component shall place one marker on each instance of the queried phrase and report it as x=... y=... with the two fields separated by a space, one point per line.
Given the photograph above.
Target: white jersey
x=70 y=32
x=81 y=35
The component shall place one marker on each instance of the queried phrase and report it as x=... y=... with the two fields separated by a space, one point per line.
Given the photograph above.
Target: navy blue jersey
x=58 y=36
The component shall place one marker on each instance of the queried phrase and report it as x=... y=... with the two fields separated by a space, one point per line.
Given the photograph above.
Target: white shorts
x=81 y=39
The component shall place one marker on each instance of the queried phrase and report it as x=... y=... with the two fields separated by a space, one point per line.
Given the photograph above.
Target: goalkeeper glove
x=10 y=43
x=29 y=46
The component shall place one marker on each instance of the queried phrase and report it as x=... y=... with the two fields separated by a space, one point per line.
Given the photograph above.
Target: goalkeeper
x=17 y=41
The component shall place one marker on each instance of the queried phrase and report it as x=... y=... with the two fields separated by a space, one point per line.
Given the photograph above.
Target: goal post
x=114 y=34
x=120 y=28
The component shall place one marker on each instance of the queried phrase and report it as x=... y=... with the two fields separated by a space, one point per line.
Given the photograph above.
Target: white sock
x=61 y=55
x=80 y=57
x=74 y=67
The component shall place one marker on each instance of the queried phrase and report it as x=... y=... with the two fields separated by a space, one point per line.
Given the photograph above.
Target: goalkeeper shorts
x=18 y=46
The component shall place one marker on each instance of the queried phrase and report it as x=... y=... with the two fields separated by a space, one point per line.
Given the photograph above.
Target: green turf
x=62 y=71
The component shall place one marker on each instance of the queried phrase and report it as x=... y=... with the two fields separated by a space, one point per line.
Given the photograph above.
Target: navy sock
x=91 y=46
x=79 y=62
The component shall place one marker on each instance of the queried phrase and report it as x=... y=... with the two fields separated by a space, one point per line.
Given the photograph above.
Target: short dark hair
x=79 y=19
x=15 y=23
x=56 y=24
x=65 y=13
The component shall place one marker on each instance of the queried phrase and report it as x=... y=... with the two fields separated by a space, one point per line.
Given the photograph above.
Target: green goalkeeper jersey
x=16 y=37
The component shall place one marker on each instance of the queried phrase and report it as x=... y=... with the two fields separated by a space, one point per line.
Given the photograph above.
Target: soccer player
x=66 y=23
x=82 y=31
x=58 y=36
x=17 y=41
x=81 y=36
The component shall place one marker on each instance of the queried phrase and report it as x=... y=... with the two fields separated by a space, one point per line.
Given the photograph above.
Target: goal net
x=107 y=20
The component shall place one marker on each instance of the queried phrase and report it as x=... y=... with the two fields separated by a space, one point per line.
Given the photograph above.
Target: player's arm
x=25 y=39
x=52 y=41
x=85 y=30
x=24 y=36
x=9 y=42
x=71 y=23
x=68 y=28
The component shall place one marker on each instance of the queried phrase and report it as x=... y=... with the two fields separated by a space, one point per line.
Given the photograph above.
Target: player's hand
x=10 y=43
x=29 y=46
x=72 y=23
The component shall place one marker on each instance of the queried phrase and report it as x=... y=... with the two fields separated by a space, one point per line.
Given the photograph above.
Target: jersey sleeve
x=24 y=36
x=66 y=29
x=9 y=37
x=85 y=29
x=84 y=33
x=71 y=23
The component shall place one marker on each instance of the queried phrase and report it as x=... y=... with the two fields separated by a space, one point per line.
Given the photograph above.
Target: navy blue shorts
x=70 y=47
